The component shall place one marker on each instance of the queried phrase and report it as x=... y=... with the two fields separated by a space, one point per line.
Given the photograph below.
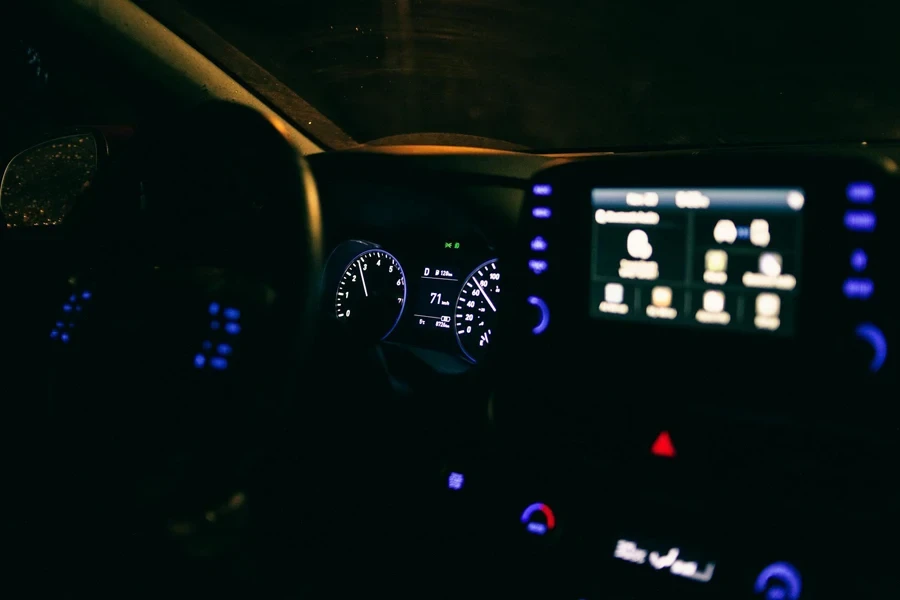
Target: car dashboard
x=440 y=233
x=611 y=376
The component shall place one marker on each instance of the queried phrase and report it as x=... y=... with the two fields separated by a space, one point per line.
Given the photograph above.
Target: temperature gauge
x=476 y=310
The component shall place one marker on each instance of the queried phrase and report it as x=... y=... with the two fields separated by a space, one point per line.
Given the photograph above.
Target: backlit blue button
x=859 y=260
x=544 y=322
x=537 y=266
x=542 y=189
x=873 y=336
x=539 y=244
x=541 y=212
x=861 y=192
x=859 y=289
x=779 y=581
x=859 y=220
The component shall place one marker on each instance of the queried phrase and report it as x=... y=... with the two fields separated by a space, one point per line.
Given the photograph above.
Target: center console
x=697 y=396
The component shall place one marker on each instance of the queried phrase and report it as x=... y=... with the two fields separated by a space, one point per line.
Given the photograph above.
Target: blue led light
x=67 y=308
x=545 y=315
x=537 y=266
x=64 y=337
x=455 y=481
x=859 y=260
x=872 y=335
x=223 y=349
x=232 y=328
x=779 y=580
x=861 y=192
x=86 y=295
x=199 y=361
x=54 y=334
x=207 y=345
x=537 y=528
x=77 y=308
x=542 y=189
x=232 y=313
x=541 y=212
x=859 y=220
x=859 y=289
x=539 y=244
x=743 y=232
x=60 y=324
x=72 y=298
x=213 y=308
x=218 y=363
x=215 y=325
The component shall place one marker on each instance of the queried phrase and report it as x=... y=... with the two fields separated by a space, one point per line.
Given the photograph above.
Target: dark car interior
x=246 y=353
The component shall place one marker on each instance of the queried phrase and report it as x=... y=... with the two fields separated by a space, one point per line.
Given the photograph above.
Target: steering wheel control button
x=538 y=519
x=861 y=192
x=216 y=355
x=874 y=337
x=779 y=581
x=544 y=316
x=72 y=312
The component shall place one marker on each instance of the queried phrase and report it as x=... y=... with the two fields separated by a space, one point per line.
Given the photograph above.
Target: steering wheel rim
x=167 y=277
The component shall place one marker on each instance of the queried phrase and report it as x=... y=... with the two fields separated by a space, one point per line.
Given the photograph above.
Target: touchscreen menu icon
x=759 y=233
x=768 y=309
x=661 y=303
x=716 y=265
x=713 y=311
x=639 y=245
x=725 y=232
x=614 y=299
x=770 y=264
x=638 y=266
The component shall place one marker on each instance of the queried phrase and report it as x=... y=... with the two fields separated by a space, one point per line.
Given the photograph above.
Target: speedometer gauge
x=371 y=294
x=476 y=310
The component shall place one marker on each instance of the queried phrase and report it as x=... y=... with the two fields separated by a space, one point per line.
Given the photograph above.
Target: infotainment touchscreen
x=726 y=258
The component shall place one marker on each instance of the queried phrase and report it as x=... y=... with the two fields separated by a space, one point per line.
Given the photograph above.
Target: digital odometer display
x=708 y=257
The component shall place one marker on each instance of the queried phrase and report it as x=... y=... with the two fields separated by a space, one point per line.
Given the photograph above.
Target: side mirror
x=41 y=184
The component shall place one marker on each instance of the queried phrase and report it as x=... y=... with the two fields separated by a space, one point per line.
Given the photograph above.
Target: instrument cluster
x=442 y=296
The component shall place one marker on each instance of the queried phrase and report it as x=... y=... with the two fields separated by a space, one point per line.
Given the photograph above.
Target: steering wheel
x=182 y=329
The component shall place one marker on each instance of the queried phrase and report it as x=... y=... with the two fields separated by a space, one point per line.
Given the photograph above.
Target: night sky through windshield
x=575 y=74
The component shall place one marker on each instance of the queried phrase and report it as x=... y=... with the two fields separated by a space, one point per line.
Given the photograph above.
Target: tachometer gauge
x=371 y=294
x=476 y=310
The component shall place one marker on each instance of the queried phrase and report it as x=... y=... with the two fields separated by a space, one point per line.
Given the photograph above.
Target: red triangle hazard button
x=663 y=446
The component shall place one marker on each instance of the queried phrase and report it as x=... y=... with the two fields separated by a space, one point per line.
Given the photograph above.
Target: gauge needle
x=481 y=289
x=363 y=277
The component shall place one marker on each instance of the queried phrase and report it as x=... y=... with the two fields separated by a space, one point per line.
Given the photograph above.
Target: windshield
x=579 y=74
